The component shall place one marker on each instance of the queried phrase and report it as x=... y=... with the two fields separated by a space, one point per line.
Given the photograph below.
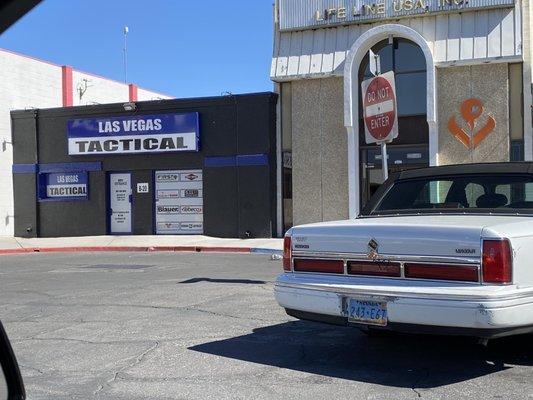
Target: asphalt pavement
x=206 y=326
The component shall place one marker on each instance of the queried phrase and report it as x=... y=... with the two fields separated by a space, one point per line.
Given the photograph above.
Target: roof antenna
x=126 y=31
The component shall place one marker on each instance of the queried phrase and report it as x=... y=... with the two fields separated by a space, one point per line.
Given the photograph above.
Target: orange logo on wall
x=471 y=110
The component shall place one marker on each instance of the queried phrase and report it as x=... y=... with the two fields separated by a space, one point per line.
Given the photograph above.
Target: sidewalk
x=196 y=243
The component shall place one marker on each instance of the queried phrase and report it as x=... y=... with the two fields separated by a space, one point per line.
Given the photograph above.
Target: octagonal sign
x=379 y=108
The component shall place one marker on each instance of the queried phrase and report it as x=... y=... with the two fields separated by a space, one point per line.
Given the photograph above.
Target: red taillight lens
x=497 y=263
x=465 y=273
x=325 y=266
x=287 y=253
x=373 y=268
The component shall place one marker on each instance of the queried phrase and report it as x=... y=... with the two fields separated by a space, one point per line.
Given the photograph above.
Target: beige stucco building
x=463 y=81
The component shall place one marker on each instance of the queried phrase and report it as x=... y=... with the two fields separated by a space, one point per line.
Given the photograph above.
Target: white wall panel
x=494 y=36
x=508 y=33
x=329 y=50
x=24 y=83
x=441 y=38
x=99 y=90
x=283 y=57
x=481 y=24
x=30 y=83
x=305 y=55
x=146 y=95
x=319 y=38
x=428 y=31
x=341 y=45
x=469 y=36
x=296 y=48
x=454 y=37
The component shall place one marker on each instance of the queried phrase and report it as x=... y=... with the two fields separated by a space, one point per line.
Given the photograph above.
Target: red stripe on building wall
x=66 y=73
x=133 y=92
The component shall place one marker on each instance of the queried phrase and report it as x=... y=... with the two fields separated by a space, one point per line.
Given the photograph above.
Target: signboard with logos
x=305 y=14
x=159 y=133
x=179 y=202
x=63 y=186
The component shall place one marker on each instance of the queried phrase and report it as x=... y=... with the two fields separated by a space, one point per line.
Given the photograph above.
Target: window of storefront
x=410 y=148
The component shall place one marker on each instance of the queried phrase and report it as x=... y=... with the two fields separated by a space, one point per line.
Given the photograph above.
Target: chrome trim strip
x=387 y=257
x=392 y=295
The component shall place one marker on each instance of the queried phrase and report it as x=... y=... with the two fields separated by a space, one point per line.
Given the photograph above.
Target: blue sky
x=185 y=48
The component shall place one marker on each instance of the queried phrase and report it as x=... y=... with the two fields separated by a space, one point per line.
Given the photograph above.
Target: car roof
x=479 y=168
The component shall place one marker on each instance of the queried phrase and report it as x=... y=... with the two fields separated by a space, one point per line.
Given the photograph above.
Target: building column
x=527 y=79
x=133 y=89
x=66 y=81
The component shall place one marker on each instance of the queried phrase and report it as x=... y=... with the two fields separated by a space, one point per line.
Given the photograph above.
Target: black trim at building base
x=412 y=328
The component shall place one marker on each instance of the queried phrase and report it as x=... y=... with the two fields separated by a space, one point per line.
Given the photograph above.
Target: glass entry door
x=400 y=158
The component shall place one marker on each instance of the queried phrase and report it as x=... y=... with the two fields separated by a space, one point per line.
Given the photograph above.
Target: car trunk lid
x=457 y=236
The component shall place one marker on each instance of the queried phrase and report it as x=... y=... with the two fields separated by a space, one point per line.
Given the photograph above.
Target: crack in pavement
x=136 y=360
x=31 y=368
x=219 y=314
x=421 y=378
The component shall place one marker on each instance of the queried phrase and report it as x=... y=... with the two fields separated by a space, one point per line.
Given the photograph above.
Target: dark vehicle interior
x=461 y=192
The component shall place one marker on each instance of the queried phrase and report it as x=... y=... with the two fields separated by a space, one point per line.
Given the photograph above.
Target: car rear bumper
x=446 y=308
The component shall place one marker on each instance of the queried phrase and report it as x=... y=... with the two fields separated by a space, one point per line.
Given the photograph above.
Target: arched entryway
x=384 y=39
x=411 y=148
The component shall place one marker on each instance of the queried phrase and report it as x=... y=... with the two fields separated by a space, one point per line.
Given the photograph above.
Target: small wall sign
x=63 y=186
x=143 y=187
x=471 y=110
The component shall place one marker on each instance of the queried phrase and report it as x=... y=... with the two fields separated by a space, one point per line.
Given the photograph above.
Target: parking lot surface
x=206 y=326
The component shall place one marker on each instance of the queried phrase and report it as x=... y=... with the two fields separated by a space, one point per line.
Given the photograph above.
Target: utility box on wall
x=187 y=166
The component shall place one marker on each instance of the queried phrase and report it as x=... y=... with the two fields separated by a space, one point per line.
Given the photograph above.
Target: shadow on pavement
x=220 y=280
x=393 y=360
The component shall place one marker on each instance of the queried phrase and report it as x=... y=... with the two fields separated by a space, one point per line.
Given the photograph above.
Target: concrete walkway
x=198 y=243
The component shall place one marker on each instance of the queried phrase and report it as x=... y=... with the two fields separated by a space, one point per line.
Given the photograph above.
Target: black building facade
x=185 y=166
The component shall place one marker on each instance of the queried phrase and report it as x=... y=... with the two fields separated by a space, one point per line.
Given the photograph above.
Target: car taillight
x=467 y=273
x=325 y=266
x=287 y=253
x=497 y=263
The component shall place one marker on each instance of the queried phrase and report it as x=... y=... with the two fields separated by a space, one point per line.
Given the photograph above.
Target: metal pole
x=126 y=30
x=384 y=161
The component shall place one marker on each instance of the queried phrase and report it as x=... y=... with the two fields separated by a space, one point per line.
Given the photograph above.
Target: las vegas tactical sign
x=379 y=108
x=161 y=133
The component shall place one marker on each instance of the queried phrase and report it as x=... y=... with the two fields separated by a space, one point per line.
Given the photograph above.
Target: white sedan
x=445 y=250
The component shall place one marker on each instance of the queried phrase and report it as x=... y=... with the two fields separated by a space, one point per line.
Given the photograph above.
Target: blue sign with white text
x=63 y=186
x=156 y=133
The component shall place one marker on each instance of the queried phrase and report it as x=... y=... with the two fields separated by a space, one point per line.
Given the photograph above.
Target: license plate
x=367 y=312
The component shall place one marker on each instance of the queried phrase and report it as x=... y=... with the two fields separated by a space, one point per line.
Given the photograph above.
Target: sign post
x=380 y=113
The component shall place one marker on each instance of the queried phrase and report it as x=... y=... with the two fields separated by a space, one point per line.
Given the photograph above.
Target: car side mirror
x=11 y=384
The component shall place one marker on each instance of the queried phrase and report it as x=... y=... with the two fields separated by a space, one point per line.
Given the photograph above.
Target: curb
x=191 y=249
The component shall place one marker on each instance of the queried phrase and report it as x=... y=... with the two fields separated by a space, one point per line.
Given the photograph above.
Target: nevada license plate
x=367 y=312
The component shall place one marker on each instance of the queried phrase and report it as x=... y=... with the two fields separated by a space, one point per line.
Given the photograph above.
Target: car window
x=499 y=191
x=473 y=191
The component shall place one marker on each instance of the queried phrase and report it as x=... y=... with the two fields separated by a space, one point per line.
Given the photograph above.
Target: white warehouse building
x=26 y=82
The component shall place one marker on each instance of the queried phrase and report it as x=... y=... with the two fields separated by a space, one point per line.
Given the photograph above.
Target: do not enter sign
x=379 y=108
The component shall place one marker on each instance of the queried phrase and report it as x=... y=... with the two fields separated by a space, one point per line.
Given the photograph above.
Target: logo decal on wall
x=471 y=110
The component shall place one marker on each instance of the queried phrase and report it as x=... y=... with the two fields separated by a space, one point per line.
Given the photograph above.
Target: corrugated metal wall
x=301 y=14
x=475 y=35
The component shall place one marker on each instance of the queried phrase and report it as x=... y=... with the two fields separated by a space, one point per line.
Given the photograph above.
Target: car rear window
x=498 y=192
